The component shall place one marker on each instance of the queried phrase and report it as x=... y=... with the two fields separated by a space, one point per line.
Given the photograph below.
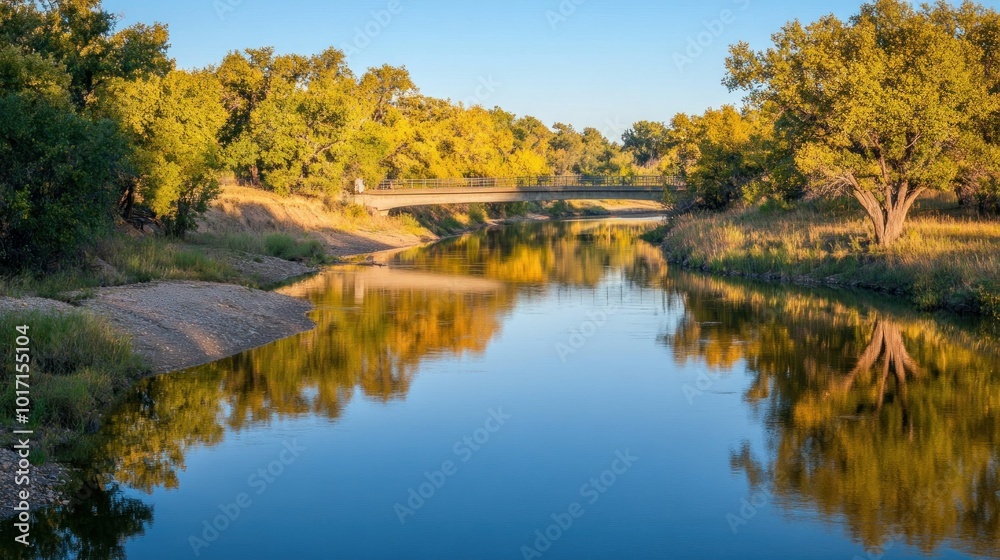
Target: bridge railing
x=539 y=181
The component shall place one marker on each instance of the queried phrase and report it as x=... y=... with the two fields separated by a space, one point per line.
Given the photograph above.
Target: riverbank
x=84 y=356
x=137 y=304
x=946 y=258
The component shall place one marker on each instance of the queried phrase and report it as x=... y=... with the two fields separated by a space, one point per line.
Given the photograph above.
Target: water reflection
x=93 y=527
x=374 y=328
x=881 y=420
x=578 y=254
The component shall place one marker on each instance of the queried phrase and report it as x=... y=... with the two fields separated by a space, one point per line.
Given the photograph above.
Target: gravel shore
x=177 y=325
x=173 y=325
x=44 y=488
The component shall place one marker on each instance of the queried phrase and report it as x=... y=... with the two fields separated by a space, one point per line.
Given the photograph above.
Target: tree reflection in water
x=373 y=329
x=93 y=527
x=882 y=420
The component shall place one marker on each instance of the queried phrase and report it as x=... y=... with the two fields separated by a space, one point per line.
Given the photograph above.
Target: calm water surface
x=556 y=391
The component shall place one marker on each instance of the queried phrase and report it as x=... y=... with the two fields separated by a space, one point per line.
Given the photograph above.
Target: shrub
x=476 y=214
x=559 y=209
x=286 y=247
x=57 y=175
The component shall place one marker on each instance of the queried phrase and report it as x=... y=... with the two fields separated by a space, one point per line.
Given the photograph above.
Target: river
x=558 y=391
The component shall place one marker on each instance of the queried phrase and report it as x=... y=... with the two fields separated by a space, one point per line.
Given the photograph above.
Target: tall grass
x=941 y=262
x=129 y=260
x=149 y=258
x=78 y=365
x=281 y=245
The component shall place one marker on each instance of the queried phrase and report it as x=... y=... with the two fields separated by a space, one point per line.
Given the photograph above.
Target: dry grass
x=126 y=260
x=943 y=261
x=248 y=210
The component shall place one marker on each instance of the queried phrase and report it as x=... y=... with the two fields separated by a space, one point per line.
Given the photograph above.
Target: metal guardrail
x=540 y=181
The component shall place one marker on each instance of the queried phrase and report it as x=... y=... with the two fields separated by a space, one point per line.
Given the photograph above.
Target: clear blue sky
x=600 y=63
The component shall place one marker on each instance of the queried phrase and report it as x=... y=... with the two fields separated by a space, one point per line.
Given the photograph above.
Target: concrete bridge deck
x=424 y=192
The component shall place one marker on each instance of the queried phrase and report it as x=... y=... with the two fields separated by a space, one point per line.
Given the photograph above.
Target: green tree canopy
x=57 y=168
x=80 y=35
x=173 y=123
x=646 y=140
x=883 y=106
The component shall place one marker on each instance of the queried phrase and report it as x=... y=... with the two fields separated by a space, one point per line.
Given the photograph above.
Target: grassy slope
x=243 y=222
x=945 y=259
x=78 y=366
x=244 y=210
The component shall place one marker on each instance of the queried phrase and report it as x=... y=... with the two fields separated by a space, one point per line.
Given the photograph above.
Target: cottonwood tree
x=883 y=106
x=727 y=156
x=173 y=123
x=80 y=35
x=60 y=164
x=646 y=140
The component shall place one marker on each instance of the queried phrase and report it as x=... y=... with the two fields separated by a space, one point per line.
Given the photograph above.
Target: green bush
x=57 y=176
x=449 y=224
x=476 y=214
x=559 y=209
x=989 y=301
x=519 y=208
x=286 y=247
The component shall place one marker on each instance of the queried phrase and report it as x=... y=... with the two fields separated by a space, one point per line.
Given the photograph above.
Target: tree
x=729 y=166
x=979 y=178
x=61 y=162
x=597 y=154
x=80 y=35
x=646 y=140
x=566 y=147
x=307 y=125
x=173 y=123
x=726 y=156
x=385 y=88
x=531 y=147
x=57 y=168
x=878 y=106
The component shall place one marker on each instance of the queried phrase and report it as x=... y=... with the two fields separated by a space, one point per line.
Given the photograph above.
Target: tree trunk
x=127 y=202
x=886 y=343
x=888 y=214
x=254 y=176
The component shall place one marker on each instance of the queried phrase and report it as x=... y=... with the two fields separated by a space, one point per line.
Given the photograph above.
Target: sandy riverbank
x=179 y=324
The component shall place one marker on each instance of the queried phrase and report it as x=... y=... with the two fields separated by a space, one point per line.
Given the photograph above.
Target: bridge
x=399 y=193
